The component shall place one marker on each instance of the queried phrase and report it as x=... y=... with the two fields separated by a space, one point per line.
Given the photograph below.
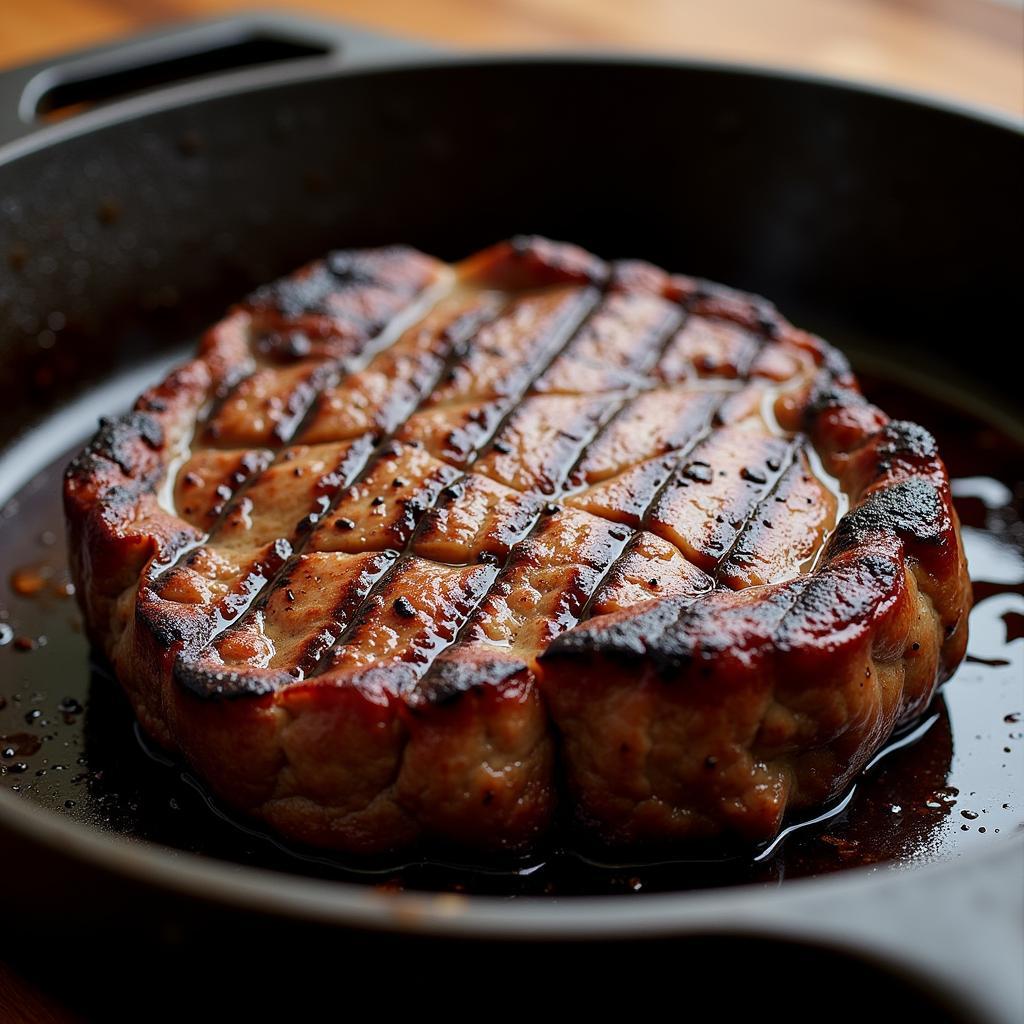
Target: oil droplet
x=970 y=815
x=23 y=744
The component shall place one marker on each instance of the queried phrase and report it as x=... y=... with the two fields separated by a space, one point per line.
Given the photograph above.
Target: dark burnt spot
x=404 y=607
x=306 y=524
x=116 y=441
x=226 y=684
x=304 y=293
x=636 y=636
x=906 y=443
x=699 y=472
x=116 y=502
x=395 y=269
x=669 y=635
x=282 y=345
x=451 y=677
x=912 y=509
x=350 y=268
x=832 y=389
x=836 y=599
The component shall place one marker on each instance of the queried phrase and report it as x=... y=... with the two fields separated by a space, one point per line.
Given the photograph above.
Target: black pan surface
x=891 y=226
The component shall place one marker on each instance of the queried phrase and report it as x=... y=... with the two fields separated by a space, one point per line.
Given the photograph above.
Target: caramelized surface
x=498 y=453
x=534 y=431
x=396 y=487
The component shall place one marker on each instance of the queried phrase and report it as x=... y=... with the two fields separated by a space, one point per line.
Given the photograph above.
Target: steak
x=409 y=550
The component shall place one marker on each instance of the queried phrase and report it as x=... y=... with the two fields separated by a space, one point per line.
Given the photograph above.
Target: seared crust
x=399 y=534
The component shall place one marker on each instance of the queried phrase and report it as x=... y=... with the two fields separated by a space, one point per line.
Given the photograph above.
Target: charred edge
x=561 y=260
x=833 y=389
x=903 y=441
x=913 y=510
x=669 y=635
x=852 y=593
x=116 y=441
x=451 y=678
x=308 y=291
x=227 y=684
x=752 y=311
x=172 y=631
x=654 y=632
x=638 y=275
x=117 y=501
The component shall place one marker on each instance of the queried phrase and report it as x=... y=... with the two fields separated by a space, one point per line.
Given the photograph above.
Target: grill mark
x=681 y=454
x=259 y=599
x=214 y=405
x=510 y=406
x=460 y=634
x=569 y=331
x=255 y=594
x=415 y=313
x=792 y=453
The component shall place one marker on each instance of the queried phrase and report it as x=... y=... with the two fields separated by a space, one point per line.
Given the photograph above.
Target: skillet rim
x=259 y=79
x=331 y=902
x=353 y=905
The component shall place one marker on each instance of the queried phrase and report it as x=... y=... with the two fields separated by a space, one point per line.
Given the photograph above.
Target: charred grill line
x=680 y=454
x=792 y=454
x=323 y=663
x=341 y=372
x=606 y=425
x=764 y=338
x=635 y=714
x=300 y=540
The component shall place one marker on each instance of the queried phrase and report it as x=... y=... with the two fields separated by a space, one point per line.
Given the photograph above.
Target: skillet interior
x=890 y=216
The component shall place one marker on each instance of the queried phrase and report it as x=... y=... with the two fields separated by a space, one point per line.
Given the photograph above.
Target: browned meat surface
x=409 y=549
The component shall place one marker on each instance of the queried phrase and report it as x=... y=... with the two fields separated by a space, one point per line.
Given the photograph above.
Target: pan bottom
x=68 y=741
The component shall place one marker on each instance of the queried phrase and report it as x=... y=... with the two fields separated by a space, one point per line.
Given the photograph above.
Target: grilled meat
x=401 y=533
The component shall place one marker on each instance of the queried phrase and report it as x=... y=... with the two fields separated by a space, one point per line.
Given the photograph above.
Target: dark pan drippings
x=952 y=783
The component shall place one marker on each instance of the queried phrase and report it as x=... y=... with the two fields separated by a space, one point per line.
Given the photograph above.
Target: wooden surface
x=969 y=50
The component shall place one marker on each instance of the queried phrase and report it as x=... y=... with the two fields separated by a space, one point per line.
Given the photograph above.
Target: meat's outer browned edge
x=684 y=717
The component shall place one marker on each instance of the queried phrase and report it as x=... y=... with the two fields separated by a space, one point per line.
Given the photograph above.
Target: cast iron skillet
x=186 y=167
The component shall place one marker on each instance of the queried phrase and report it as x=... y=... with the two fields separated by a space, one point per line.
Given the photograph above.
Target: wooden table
x=969 y=50
x=966 y=49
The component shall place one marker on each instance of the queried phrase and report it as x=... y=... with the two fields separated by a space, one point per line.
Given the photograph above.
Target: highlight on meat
x=415 y=553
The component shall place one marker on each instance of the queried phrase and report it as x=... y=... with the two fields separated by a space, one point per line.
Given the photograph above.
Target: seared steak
x=407 y=549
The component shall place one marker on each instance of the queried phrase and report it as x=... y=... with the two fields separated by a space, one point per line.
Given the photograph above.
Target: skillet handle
x=37 y=95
